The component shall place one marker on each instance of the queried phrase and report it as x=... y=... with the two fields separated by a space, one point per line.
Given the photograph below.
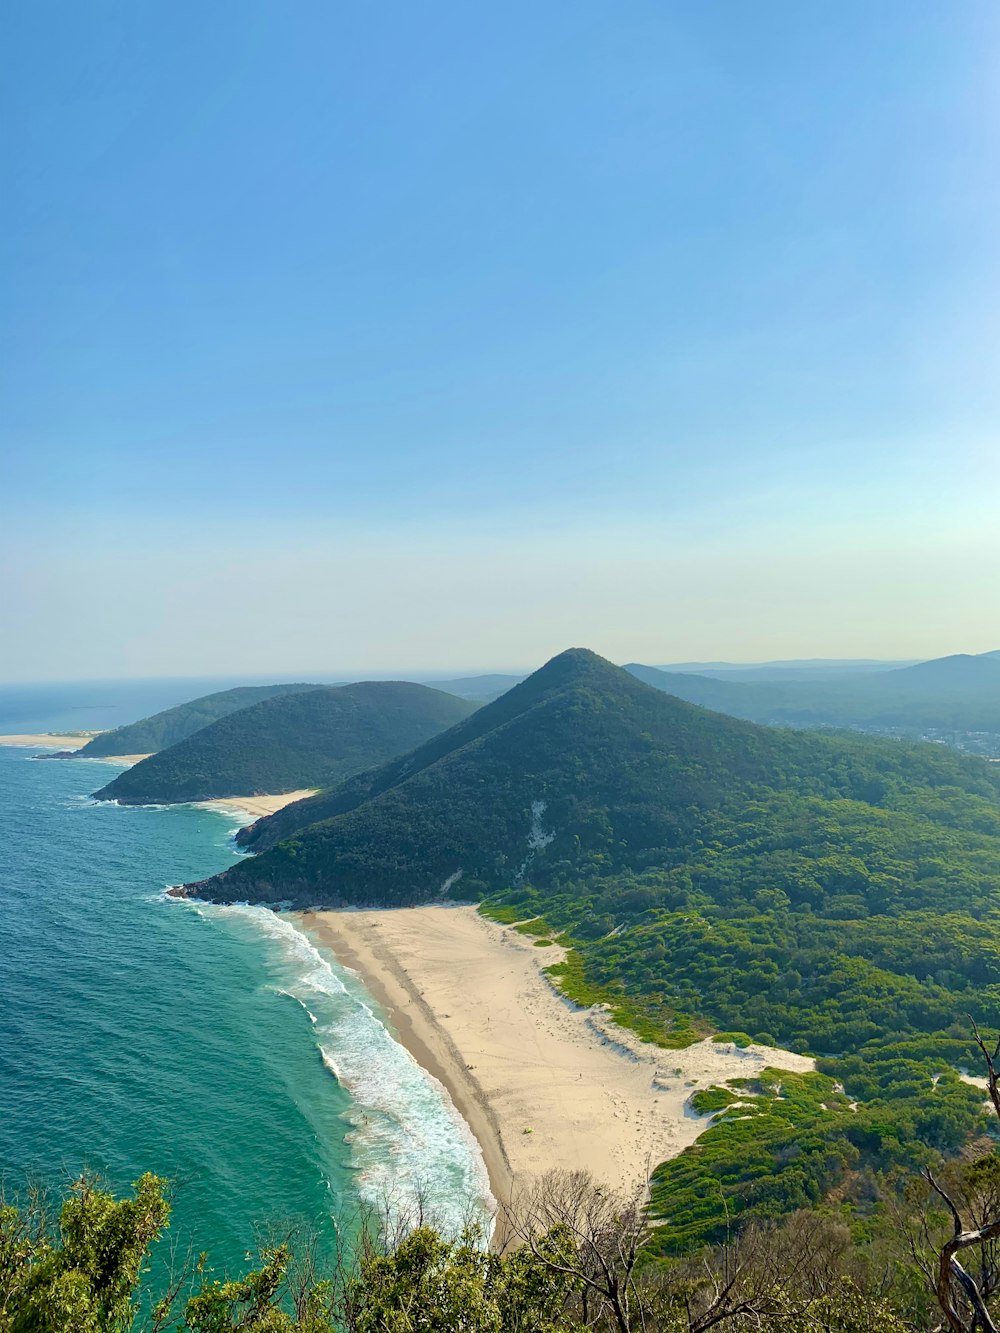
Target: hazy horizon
x=428 y=675
x=457 y=336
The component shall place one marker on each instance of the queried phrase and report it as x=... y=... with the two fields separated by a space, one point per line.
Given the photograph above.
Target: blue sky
x=357 y=336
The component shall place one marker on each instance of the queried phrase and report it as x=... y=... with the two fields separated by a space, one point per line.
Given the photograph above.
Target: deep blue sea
x=217 y=1046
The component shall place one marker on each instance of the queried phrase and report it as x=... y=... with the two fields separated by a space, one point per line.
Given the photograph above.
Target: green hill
x=314 y=738
x=176 y=724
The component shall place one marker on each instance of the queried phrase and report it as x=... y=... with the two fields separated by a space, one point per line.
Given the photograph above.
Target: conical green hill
x=580 y=770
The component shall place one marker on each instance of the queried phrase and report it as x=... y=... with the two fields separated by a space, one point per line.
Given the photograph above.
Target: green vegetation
x=506 y=916
x=789 y=1141
x=837 y=895
x=102 y=1265
x=309 y=739
x=176 y=724
x=536 y=926
x=710 y=1100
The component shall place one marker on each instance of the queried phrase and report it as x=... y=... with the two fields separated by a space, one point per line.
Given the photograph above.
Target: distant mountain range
x=315 y=737
x=480 y=688
x=957 y=694
x=805 y=669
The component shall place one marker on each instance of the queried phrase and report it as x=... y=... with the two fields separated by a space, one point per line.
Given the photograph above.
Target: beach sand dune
x=542 y=1084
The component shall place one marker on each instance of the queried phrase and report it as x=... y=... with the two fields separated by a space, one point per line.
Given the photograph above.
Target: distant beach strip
x=255 y=806
x=43 y=740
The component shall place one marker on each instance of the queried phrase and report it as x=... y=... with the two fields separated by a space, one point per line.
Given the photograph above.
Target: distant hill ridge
x=154 y=733
x=311 y=738
x=959 y=693
x=960 y=668
x=482 y=688
x=581 y=768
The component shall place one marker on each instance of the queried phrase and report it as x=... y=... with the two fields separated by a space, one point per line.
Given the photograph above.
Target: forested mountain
x=309 y=739
x=176 y=724
x=581 y=771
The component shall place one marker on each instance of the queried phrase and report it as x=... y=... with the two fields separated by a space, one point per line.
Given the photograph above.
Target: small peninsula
x=308 y=739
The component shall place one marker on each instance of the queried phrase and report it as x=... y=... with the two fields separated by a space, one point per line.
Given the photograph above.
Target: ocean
x=100 y=705
x=216 y=1046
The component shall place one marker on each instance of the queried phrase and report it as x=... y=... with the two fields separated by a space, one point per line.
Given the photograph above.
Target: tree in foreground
x=577 y=1258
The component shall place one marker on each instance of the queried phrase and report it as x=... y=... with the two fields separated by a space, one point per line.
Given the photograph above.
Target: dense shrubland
x=575 y=1257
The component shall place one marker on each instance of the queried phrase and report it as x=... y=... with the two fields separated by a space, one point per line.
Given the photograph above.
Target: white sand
x=256 y=806
x=43 y=739
x=468 y=999
x=117 y=758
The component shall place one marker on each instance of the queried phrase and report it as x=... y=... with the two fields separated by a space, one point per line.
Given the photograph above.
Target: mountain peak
x=579 y=763
x=576 y=660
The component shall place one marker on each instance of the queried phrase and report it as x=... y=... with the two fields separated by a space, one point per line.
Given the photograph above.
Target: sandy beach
x=44 y=740
x=116 y=758
x=256 y=806
x=38 y=740
x=540 y=1082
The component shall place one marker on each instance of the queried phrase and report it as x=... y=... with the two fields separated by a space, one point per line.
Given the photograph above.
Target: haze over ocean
x=217 y=1047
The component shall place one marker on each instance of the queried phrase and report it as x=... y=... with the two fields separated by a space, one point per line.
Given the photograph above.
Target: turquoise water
x=217 y=1046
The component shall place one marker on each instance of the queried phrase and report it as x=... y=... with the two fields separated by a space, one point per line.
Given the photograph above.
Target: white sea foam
x=408 y=1144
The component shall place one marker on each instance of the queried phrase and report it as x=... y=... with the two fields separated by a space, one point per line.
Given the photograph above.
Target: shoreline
x=541 y=1083
x=254 y=806
x=426 y=1041
x=47 y=740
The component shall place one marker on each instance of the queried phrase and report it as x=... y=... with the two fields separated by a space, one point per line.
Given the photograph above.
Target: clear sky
x=444 y=335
